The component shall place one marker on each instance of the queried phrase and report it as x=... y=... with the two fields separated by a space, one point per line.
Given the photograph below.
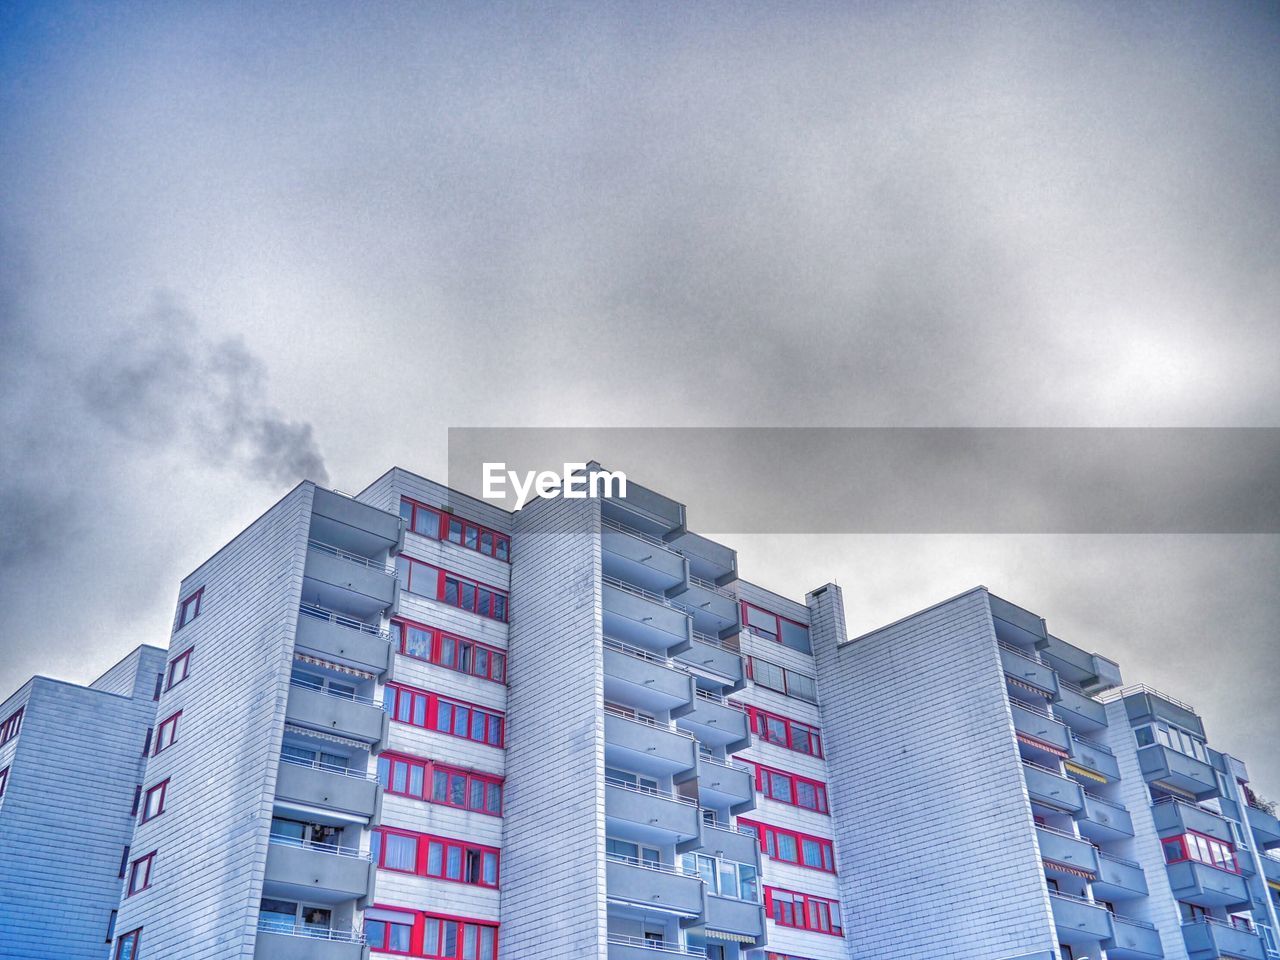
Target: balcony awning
x=1046 y=747
x=1026 y=686
x=731 y=937
x=1273 y=885
x=1076 y=768
x=332 y=738
x=1074 y=871
x=330 y=665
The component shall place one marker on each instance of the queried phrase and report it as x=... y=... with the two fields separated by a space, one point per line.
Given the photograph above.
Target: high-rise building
x=413 y=723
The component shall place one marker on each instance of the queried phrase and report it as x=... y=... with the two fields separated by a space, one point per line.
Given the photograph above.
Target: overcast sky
x=245 y=243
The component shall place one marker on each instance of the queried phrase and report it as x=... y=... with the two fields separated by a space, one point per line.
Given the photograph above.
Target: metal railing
x=1178 y=801
x=1075 y=899
x=649 y=538
x=658 y=946
x=331 y=849
x=667 y=725
x=292 y=928
x=1141 y=688
x=632 y=589
x=1238 y=923
x=729 y=645
x=1120 y=860
x=729 y=763
x=381 y=566
x=1038 y=711
x=638 y=652
x=667 y=868
x=722 y=701
x=729 y=828
x=712 y=587
x=649 y=791
x=1022 y=653
x=329 y=768
x=1059 y=832
x=1092 y=743
x=1134 y=921
x=325 y=691
x=316 y=612
x=1044 y=769
x=1080 y=690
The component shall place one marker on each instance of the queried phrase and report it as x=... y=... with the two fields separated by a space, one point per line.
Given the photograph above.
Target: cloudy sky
x=240 y=244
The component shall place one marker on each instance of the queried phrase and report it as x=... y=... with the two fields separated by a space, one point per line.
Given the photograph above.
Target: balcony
x=739 y=918
x=722 y=784
x=1046 y=732
x=639 y=558
x=1207 y=886
x=728 y=843
x=1093 y=760
x=1102 y=820
x=717 y=722
x=277 y=941
x=1119 y=879
x=1177 y=771
x=1270 y=868
x=646 y=747
x=1051 y=789
x=644 y=618
x=714 y=657
x=375 y=530
x=650 y=816
x=1086 y=670
x=707 y=559
x=342 y=639
x=654 y=885
x=1025 y=669
x=1175 y=817
x=1062 y=849
x=1133 y=940
x=713 y=608
x=1211 y=939
x=645 y=680
x=634 y=948
x=1080 y=922
x=1142 y=703
x=1266 y=828
x=318 y=784
x=317 y=872
x=355 y=717
x=1079 y=710
x=338 y=579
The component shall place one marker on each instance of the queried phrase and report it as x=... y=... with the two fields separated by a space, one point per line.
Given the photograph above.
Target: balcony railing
x=1141 y=688
x=332 y=849
x=1092 y=743
x=730 y=645
x=1074 y=899
x=731 y=764
x=668 y=868
x=650 y=791
x=729 y=828
x=329 y=768
x=1062 y=833
x=1038 y=711
x=722 y=701
x=647 y=721
x=294 y=929
x=649 y=538
x=1123 y=862
x=639 y=653
x=1018 y=651
x=342 y=620
x=1041 y=767
x=658 y=946
x=708 y=585
x=632 y=589
x=379 y=565
x=325 y=691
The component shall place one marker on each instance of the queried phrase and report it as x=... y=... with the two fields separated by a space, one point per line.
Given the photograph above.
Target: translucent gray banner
x=915 y=480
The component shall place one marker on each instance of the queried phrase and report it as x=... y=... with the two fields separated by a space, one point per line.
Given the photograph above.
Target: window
x=770 y=626
x=792 y=847
x=127 y=945
x=124 y=862
x=785 y=732
x=111 y=926
x=455 y=590
x=146 y=743
x=140 y=874
x=789 y=682
x=154 y=805
x=159 y=686
x=431 y=856
x=1202 y=849
x=189 y=609
x=179 y=667
x=167 y=733
x=9 y=729
x=449 y=650
x=441 y=525
x=453 y=938
x=725 y=878
x=457 y=718
x=436 y=783
x=388 y=936
x=628 y=852
x=4 y=780
x=791 y=789
x=790 y=909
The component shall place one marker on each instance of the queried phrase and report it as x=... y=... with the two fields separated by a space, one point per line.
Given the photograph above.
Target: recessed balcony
x=1024 y=667
x=277 y=941
x=317 y=784
x=652 y=816
x=654 y=885
x=645 y=680
x=1080 y=922
x=1265 y=826
x=1051 y=789
x=1042 y=730
x=707 y=559
x=1060 y=849
x=342 y=639
x=717 y=722
x=634 y=948
x=1207 y=886
x=1093 y=761
x=1103 y=820
x=316 y=872
x=1119 y=879
x=1074 y=665
x=356 y=717
x=1175 y=817
x=1212 y=939
x=1177 y=771
x=1133 y=940
x=725 y=784
x=633 y=743
x=716 y=658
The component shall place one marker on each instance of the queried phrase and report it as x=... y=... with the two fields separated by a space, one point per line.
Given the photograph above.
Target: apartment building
x=411 y=723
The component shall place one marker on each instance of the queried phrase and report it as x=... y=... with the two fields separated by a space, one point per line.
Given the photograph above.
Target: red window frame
x=11 y=726
x=191 y=605
x=1183 y=850
x=436 y=782
x=172 y=677
x=169 y=724
x=787 y=675
x=131 y=940
x=763 y=725
x=4 y=780
x=783 y=956
x=776 y=636
x=162 y=788
x=422 y=708
x=766 y=785
x=450 y=650
x=474 y=596
x=431 y=847
x=769 y=835
x=802 y=911
x=440 y=524
x=421 y=921
x=143 y=867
